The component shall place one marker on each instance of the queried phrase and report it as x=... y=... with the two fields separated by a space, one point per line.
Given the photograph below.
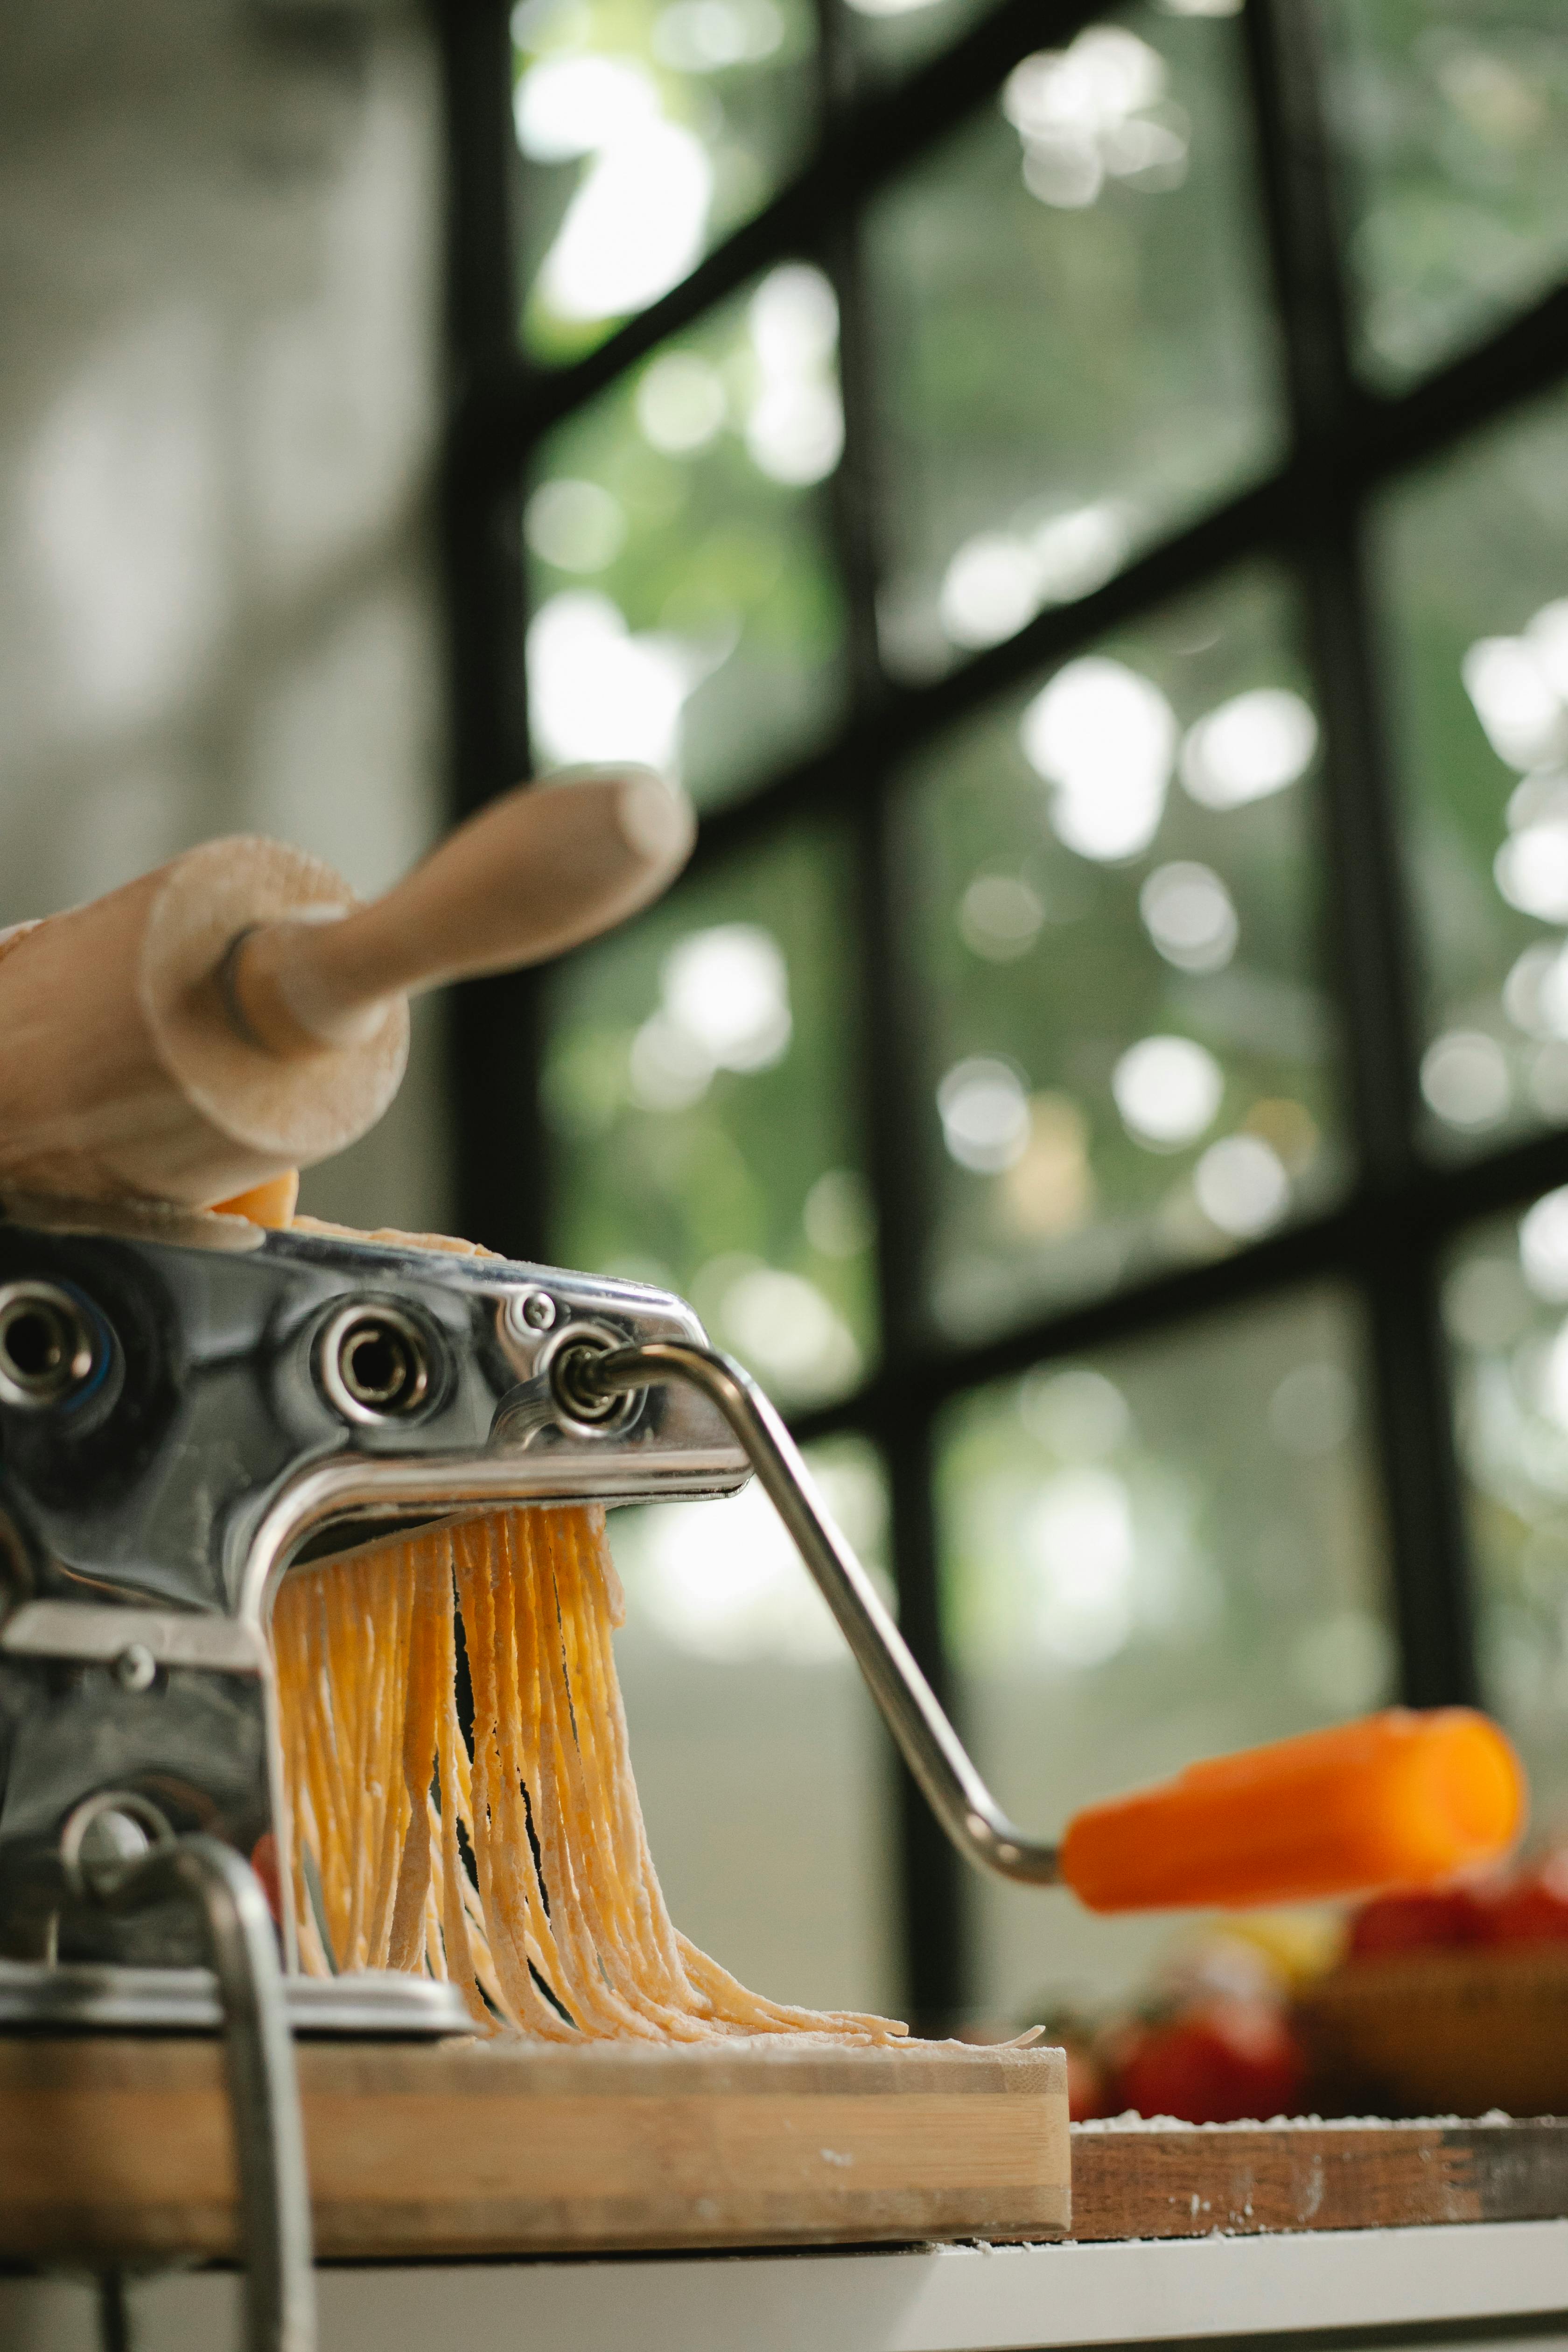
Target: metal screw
x=537 y=1309
x=111 y=1841
x=136 y=1669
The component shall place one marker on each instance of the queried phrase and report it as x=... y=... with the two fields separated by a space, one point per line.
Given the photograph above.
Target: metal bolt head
x=136 y=1669
x=537 y=1309
x=111 y=1841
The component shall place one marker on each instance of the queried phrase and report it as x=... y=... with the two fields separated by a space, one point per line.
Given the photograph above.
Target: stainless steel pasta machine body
x=188 y=1406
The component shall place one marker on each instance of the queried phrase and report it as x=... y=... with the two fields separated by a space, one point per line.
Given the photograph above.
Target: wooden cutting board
x=120 y=2148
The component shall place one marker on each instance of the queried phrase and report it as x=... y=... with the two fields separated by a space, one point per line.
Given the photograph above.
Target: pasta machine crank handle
x=264 y=2095
x=589 y=1381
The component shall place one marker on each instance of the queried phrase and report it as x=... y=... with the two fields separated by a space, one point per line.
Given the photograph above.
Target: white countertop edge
x=943 y=2299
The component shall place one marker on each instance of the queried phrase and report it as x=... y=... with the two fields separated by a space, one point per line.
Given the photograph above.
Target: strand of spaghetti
x=362 y=1656
x=301 y=1627
x=553 y=1568
x=293 y=1732
x=615 y=1797
x=458 y=1797
x=478 y=1934
x=631 y=1966
x=504 y=1911
x=315 y=1600
x=457 y=1812
x=714 y=1988
x=712 y=1985
x=392 y=1733
x=387 y=1783
x=846 y=2024
x=434 y=1950
x=391 y=1721
x=361 y=1760
x=530 y=1669
x=505 y=1889
x=637 y=1863
x=484 y=1964
x=459 y=1956
x=306 y=1833
x=405 y=1938
x=546 y=1885
x=510 y=1885
x=555 y=1910
x=594 y=2000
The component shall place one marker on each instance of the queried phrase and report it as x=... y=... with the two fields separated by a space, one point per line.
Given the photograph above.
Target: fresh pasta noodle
x=559 y=1927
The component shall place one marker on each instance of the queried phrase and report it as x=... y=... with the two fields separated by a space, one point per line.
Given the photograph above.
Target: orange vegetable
x=1397 y=1800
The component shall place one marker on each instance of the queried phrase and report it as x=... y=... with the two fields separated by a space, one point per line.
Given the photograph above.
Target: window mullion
x=932 y=1909
x=493 y=1027
x=1369 y=938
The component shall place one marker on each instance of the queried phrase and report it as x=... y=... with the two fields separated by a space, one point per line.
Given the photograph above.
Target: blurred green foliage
x=1452 y=118
x=718 y=563
x=1472 y=551
x=735 y=77
x=707 y=1179
x=1506 y=1330
x=1071 y=318
x=1086 y=1202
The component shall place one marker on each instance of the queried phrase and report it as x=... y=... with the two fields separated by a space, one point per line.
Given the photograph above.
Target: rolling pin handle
x=539 y=871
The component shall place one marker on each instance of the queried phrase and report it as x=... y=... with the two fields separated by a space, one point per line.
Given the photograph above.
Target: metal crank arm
x=590 y=1380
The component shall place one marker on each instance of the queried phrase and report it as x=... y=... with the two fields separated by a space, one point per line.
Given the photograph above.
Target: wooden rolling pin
x=237 y=1013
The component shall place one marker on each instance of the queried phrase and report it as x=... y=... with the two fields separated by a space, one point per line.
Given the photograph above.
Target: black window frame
x=1387 y=1235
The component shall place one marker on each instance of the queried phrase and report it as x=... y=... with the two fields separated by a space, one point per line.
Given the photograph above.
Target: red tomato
x=1222 y=2063
x=264 y=1862
x=1534 y=1910
x=1432 y=1919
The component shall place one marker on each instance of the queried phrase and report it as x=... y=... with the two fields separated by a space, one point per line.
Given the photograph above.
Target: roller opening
x=376 y=1364
x=47 y=1348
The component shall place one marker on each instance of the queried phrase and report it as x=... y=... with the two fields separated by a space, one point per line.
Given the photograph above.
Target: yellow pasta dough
x=559 y=1927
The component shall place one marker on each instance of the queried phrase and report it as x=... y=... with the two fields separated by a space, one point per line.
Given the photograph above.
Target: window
x=1082 y=499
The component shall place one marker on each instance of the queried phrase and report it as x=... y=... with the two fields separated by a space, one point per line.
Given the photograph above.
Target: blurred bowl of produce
x=1452 y=2001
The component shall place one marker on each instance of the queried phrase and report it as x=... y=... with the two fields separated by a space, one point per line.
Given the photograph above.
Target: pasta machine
x=189 y=1406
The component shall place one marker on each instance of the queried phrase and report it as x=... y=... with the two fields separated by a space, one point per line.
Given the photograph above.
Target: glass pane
x=1473 y=557
x=1165 y=1553
x=1129 y=1055
x=648 y=129
x=1075 y=352
x=698 y=1094
x=892 y=37
x=1504 y=1303
x=686 y=607
x=763 y=1774
x=1453 y=127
